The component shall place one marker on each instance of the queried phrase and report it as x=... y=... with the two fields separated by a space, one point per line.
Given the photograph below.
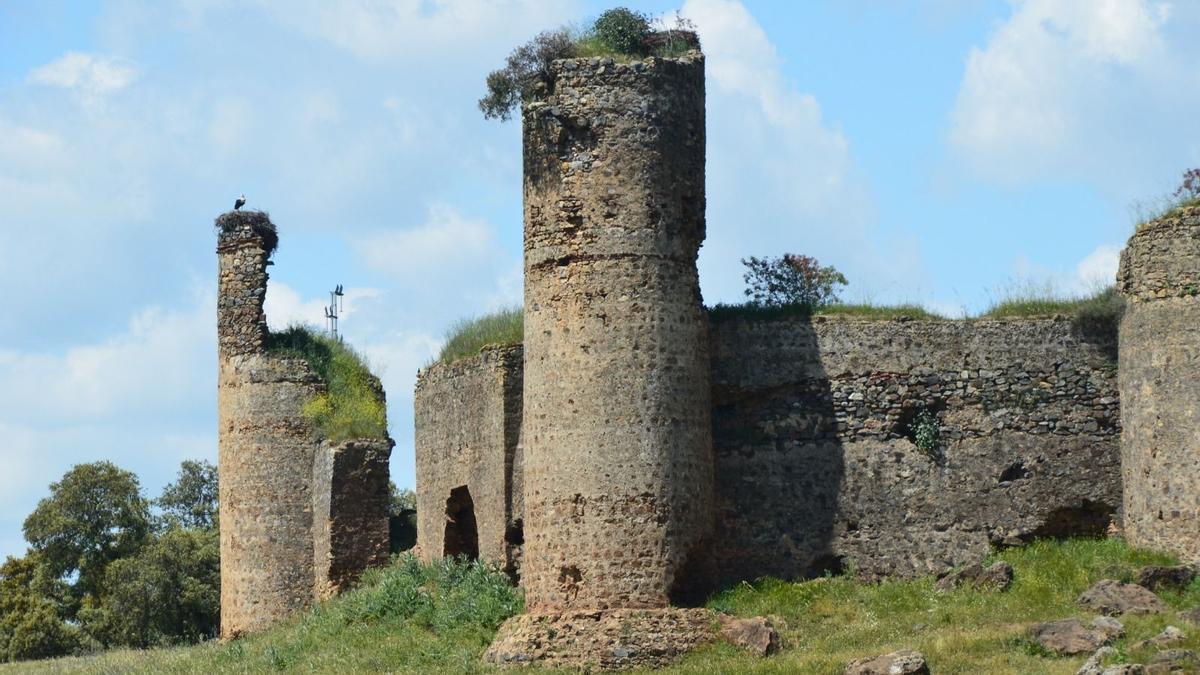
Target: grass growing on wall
x=353 y=404
x=1029 y=300
x=468 y=336
x=413 y=618
x=724 y=312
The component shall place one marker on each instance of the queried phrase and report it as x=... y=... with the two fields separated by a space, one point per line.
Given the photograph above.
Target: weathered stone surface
x=618 y=433
x=1169 y=636
x=1125 y=669
x=1093 y=666
x=810 y=479
x=996 y=577
x=351 y=500
x=1173 y=661
x=904 y=662
x=1191 y=615
x=1158 y=577
x=1111 y=628
x=1159 y=368
x=614 y=639
x=756 y=636
x=1067 y=637
x=1113 y=597
x=468 y=436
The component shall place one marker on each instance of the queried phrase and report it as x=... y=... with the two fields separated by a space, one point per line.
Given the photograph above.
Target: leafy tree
x=169 y=593
x=191 y=501
x=402 y=521
x=31 y=626
x=402 y=501
x=797 y=280
x=94 y=515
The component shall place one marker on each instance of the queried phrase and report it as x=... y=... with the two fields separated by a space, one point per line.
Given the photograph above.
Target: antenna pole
x=331 y=312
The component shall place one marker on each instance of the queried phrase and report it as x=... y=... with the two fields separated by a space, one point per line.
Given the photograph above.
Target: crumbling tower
x=300 y=517
x=618 y=447
x=1158 y=377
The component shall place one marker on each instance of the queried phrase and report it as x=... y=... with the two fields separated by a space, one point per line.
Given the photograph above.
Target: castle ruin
x=301 y=517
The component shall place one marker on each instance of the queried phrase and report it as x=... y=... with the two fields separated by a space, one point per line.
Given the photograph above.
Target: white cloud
x=285 y=307
x=1098 y=269
x=1094 y=272
x=91 y=75
x=780 y=176
x=1081 y=89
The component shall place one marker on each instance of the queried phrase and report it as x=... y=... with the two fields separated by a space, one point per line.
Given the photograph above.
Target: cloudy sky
x=935 y=151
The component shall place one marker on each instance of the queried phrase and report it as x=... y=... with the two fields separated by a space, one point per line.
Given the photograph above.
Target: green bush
x=443 y=596
x=623 y=31
x=352 y=405
x=468 y=336
x=791 y=279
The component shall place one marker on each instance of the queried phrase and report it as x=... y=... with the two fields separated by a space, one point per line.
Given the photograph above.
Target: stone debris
x=1173 y=661
x=1113 y=597
x=1068 y=637
x=757 y=636
x=1169 y=636
x=1159 y=577
x=1125 y=669
x=996 y=577
x=903 y=662
x=1191 y=615
x=1093 y=665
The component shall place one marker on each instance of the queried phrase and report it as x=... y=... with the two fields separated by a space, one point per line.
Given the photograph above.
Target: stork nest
x=237 y=224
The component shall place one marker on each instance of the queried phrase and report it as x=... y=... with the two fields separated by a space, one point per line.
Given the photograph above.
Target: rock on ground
x=996 y=577
x=1159 y=577
x=1093 y=665
x=1169 y=635
x=1173 y=661
x=756 y=636
x=903 y=662
x=1113 y=597
x=1191 y=615
x=1068 y=637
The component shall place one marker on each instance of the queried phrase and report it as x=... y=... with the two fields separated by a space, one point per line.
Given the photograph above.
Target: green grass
x=412 y=618
x=353 y=404
x=724 y=312
x=1148 y=211
x=468 y=336
x=1026 y=301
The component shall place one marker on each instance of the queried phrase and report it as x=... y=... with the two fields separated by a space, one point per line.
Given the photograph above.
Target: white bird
x=239 y=202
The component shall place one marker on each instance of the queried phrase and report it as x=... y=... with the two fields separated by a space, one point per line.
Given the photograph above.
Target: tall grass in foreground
x=467 y=336
x=353 y=404
x=413 y=618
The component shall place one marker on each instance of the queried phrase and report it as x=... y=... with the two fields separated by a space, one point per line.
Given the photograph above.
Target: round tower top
x=234 y=227
x=1162 y=259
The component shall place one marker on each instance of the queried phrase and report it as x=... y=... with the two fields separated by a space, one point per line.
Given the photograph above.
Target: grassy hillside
x=415 y=619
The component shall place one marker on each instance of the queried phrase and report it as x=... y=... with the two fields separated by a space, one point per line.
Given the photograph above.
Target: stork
x=239 y=202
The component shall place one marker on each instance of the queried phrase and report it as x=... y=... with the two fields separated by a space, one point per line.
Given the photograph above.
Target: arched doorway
x=462 y=534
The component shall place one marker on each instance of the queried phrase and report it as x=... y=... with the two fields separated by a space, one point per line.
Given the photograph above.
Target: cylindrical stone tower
x=618 y=447
x=1159 y=378
x=266 y=449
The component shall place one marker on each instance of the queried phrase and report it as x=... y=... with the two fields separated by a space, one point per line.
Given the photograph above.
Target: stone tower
x=618 y=439
x=276 y=469
x=1159 y=377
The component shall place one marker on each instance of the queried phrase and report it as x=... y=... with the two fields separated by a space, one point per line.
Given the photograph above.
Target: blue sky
x=935 y=151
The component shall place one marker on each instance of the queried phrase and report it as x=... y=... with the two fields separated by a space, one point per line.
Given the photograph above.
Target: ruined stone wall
x=266 y=458
x=351 y=500
x=617 y=451
x=468 y=425
x=1160 y=371
x=814 y=449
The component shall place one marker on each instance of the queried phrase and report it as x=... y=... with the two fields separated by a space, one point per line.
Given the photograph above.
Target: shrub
x=926 y=432
x=791 y=280
x=1189 y=189
x=468 y=336
x=352 y=405
x=527 y=67
x=623 y=31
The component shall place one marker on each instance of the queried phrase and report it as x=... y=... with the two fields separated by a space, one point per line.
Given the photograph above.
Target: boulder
x=1169 y=636
x=1111 y=628
x=1173 y=661
x=1093 y=665
x=1125 y=669
x=1113 y=597
x=903 y=662
x=756 y=636
x=1067 y=637
x=1159 y=577
x=1191 y=616
x=995 y=577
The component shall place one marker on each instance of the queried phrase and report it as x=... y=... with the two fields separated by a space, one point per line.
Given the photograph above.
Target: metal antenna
x=331 y=312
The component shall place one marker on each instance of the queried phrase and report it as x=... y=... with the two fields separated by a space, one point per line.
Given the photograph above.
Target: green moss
x=467 y=336
x=353 y=404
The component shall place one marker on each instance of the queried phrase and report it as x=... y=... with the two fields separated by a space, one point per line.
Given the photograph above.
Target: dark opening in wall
x=1016 y=471
x=907 y=422
x=462 y=533
x=514 y=534
x=827 y=564
x=1089 y=519
x=402 y=531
